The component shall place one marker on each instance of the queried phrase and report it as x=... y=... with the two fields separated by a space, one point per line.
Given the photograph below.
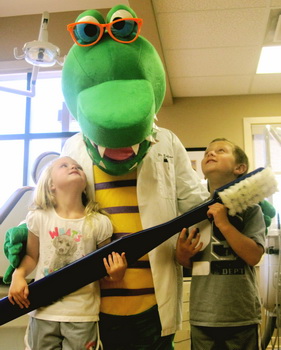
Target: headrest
x=40 y=162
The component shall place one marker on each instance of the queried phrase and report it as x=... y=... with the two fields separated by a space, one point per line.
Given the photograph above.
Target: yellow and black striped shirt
x=135 y=293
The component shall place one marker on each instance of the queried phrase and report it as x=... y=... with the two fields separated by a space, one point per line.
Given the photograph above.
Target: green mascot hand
x=268 y=212
x=14 y=249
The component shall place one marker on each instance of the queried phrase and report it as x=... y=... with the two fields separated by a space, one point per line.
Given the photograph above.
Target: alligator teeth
x=151 y=139
x=134 y=166
x=154 y=132
x=155 y=127
x=101 y=163
x=101 y=150
x=155 y=117
x=136 y=148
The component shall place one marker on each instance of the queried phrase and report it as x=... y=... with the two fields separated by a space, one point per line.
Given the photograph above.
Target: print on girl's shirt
x=65 y=243
x=61 y=231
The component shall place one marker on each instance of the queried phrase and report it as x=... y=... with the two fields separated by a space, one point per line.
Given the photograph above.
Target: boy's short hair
x=239 y=154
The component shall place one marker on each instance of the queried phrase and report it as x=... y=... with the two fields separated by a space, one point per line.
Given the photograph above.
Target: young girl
x=64 y=225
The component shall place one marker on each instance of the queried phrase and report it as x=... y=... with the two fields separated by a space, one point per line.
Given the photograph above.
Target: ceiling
x=32 y=7
x=210 y=47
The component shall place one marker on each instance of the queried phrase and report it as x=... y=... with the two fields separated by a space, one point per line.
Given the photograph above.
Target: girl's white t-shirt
x=62 y=241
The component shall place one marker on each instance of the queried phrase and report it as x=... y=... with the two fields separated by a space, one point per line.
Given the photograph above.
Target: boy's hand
x=218 y=212
x=188 y=246
x=115 y=265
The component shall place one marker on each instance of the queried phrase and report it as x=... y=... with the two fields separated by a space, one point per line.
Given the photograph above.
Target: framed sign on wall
x=196 y=154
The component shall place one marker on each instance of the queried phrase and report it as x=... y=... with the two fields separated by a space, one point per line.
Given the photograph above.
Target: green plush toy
x=14 y=249
x=268 y=213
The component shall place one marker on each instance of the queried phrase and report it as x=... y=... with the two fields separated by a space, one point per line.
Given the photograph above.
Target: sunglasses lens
x=124 y=30
x=86 y=33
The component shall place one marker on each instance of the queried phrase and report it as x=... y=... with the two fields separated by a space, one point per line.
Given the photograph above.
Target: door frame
x=248 y=143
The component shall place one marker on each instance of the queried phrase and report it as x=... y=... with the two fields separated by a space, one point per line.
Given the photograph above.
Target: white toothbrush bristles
x=249 y=191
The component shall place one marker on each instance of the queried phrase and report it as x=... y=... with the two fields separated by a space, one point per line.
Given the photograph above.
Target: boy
x=225 y=310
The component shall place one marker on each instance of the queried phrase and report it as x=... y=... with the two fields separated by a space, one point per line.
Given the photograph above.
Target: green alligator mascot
x=114 y=84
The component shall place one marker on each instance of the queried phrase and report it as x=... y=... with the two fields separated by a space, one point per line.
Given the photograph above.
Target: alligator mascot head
x=114 y=83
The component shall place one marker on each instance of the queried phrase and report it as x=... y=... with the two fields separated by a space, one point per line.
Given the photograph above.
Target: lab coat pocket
x=166 y=179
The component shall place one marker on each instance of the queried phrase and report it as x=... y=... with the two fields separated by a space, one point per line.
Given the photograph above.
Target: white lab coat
x=167 y=186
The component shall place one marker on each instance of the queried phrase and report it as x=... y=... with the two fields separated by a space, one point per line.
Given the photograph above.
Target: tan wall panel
x=198 y=120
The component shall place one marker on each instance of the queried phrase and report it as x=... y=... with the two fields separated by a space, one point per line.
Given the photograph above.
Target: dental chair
x=14 y=211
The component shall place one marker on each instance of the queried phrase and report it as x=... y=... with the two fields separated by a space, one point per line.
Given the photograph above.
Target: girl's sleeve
x=105 y=228
x=32 y=222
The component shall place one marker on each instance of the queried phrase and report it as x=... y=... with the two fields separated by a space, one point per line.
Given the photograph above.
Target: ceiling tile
x=266 y=83
x=212 y=62
x=205 y=29
x=201 y=5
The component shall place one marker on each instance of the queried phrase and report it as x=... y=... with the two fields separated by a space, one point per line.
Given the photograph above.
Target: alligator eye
x=119 y=12
x=87 y=29
x=123 y=22
x=123 y=28
x=86 y=33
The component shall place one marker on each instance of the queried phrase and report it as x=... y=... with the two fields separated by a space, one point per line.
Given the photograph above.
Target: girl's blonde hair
x=45 y=199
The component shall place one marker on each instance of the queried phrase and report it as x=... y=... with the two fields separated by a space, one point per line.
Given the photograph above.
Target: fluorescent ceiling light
x=270 y=60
